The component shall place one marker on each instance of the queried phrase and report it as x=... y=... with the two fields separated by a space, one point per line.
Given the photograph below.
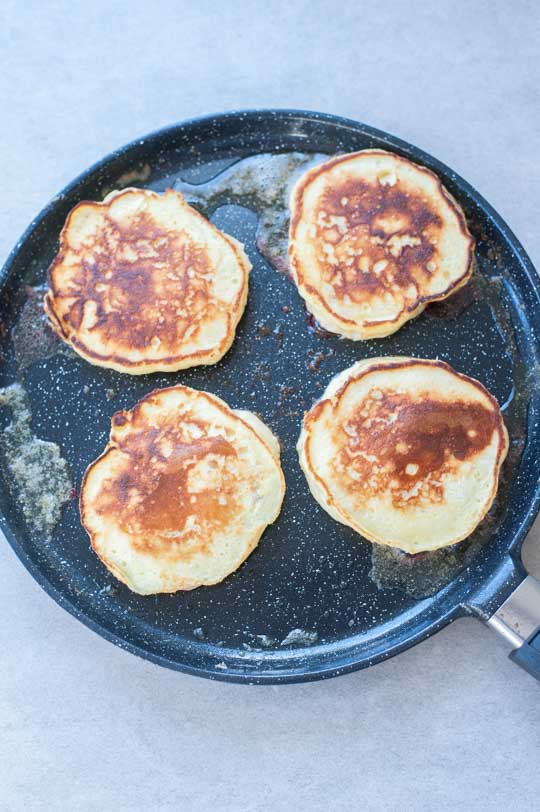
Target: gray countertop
x=451 y=724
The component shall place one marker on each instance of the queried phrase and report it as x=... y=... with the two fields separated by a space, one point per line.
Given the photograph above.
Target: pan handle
x=518 y=621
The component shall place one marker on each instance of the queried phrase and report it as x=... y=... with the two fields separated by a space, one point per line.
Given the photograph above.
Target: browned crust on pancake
x=420 y=303
x=495 y=421
x=155 y=511
x=137 y=298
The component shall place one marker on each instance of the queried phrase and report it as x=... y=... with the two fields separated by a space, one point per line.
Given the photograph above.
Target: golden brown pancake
x=183 y=491
x=144 y=283
x=405 y=451
x=373 y=239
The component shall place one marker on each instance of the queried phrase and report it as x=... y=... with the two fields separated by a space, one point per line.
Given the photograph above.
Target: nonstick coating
x=308 y=572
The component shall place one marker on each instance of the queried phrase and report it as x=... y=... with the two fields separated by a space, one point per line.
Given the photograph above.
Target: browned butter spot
x=374 y=238
x=149 y=286
x=405 y=447
x=160 y=504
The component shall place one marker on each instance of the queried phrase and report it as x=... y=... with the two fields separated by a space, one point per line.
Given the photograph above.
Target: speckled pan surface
x=312 y=601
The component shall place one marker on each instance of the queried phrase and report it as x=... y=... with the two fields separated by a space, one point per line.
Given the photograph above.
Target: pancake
x=405 y=451
x=183 y=491
x=373 y=239
x=144 y=283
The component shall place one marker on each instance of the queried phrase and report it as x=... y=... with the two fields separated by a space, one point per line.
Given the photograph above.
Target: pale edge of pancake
x=322 y=493
x=201 y=358
x=328 y=319
x=261 y=434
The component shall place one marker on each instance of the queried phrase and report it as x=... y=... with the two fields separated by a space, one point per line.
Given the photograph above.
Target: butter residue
x=263 y=183
x=40 y=478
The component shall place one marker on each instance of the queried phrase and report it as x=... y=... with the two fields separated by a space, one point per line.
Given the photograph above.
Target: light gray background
x=451 y=724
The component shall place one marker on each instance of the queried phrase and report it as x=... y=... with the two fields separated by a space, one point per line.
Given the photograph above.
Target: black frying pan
x=313 y=600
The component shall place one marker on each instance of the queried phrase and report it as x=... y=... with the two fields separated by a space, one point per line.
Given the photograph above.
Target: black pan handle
x=518 y=621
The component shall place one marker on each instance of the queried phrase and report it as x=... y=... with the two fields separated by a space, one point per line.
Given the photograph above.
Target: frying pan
x=313 y=600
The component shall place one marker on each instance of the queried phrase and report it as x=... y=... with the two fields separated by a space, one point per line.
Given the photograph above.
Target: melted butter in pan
x=36 y=469
x=263 y=183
